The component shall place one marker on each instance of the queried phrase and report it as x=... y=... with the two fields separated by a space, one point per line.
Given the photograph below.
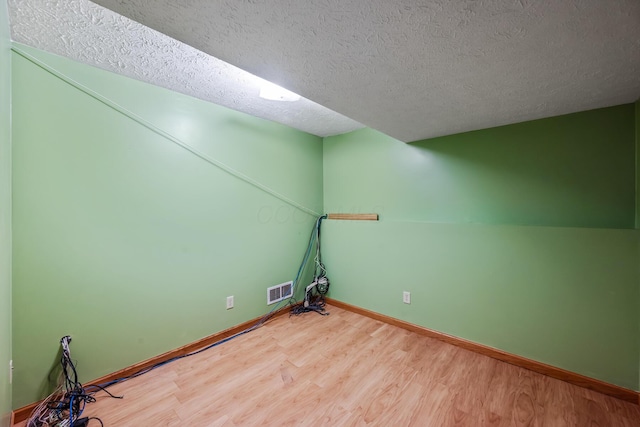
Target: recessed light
x=273 y=92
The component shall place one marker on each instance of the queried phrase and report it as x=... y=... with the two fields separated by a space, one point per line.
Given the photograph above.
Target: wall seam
x=129 y=114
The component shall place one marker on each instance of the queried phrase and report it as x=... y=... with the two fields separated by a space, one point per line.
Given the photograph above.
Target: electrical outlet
x=10 y=371
x=406 y=297
x=229 y=302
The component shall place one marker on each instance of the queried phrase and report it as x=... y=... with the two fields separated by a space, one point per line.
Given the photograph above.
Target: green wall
x=530 y=250
x=127 y=241
x=575 y=170
x=5 y=215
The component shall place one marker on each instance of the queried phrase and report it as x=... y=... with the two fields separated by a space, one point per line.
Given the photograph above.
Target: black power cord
x=320 y=282
x=64 y=407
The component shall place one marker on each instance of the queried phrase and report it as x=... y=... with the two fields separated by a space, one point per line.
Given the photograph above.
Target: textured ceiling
x=412 y=69
x=416 y=69
x=91 y=34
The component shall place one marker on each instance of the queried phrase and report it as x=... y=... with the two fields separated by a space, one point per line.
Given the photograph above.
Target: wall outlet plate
x=229 y=302
x=406 y=297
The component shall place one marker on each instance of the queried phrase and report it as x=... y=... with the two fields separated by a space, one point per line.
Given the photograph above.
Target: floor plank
x=349 y=370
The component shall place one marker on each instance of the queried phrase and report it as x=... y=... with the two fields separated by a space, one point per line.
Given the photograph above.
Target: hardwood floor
x=349 y=370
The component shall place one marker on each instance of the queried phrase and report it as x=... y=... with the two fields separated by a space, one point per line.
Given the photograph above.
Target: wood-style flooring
x=349 y=370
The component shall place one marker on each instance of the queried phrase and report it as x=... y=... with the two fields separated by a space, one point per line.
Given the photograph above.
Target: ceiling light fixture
x=273 y=92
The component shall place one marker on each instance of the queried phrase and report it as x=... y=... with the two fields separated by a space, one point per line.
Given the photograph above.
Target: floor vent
x=279 y=292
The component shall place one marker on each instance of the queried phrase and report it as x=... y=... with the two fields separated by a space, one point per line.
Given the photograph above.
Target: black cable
x=292 y=299
x=97 y=419
x=319 y=264
x=106 y=391
x=74 y=398
x=317 y=305
x=320 y=281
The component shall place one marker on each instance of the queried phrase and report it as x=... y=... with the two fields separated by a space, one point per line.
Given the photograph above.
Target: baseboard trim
x=513 y=359
x=21 y=414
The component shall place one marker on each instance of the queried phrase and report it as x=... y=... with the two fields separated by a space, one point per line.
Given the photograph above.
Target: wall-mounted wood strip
x=513 y=359
x=353 y=217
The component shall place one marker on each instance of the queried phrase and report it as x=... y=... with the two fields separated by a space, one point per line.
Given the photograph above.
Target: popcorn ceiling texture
x=412 y=69
x=88 y=33
x=421 y=68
